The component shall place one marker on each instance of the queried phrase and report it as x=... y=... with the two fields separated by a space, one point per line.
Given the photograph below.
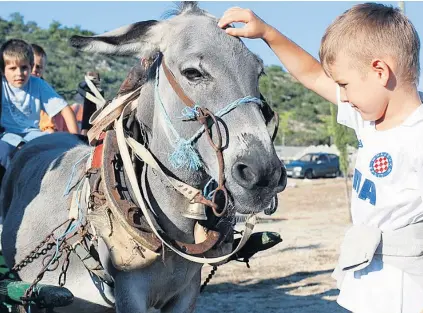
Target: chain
x=48 y=243
x=65 y=93
x=209 y=278
x=29 y=293
x=65 y=266
x=35 y=254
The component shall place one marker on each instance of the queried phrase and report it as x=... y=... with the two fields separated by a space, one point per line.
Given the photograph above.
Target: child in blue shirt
x=23 y=96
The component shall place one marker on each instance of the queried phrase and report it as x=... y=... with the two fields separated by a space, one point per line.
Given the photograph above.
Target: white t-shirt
x=21 y=106
x=387 y=193
x=388 y=175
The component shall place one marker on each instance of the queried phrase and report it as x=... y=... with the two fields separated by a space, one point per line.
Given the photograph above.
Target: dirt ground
x=293 y=276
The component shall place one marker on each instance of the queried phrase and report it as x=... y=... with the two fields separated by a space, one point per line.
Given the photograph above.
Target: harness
x=125 y=211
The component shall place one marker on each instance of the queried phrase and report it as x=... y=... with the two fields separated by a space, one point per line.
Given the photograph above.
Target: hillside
x=66 y=66
x=305 y=117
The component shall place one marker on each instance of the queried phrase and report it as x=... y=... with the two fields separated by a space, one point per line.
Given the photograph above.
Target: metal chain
x=209 y=278
x=65 y=266
x=65 y=93
x=34 y=254
x=29 y=293
x=49 y=242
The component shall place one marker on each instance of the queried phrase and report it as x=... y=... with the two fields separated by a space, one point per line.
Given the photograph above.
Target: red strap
x=97 y=159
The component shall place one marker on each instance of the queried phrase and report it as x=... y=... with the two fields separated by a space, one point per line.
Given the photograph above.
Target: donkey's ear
x=139 y=39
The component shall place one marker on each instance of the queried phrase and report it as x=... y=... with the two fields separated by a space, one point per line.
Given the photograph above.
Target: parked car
x=313 y=165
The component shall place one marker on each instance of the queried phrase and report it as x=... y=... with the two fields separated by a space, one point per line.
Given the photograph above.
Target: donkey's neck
x=169 y=206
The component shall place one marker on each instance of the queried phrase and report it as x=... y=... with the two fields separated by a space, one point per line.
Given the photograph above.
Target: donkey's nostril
x=244 y=175
x=245 y=172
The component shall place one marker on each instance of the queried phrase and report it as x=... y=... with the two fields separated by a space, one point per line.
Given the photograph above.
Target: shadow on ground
x=269 y=296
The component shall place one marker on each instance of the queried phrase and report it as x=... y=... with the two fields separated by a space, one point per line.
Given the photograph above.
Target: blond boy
x=23 y=96
x=369 y=68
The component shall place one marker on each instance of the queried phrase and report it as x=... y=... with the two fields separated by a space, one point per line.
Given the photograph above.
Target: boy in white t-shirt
x=369 y=67
x=22 y=98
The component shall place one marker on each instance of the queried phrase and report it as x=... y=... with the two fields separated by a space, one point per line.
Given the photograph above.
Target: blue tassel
x=185 y=156
x=189 y=113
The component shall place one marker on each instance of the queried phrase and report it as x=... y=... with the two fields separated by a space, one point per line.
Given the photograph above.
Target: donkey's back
x=32 y=197
x=34 y=201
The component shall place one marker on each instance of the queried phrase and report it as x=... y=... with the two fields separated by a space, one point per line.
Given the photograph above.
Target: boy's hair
x=16 y=49
x=38 y=50
x=371 y=30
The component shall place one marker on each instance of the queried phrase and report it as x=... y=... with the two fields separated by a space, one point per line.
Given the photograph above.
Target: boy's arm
x=304 y=67
x=70 y=119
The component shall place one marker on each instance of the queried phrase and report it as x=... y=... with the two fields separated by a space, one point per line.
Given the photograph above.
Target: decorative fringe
x=185 y=156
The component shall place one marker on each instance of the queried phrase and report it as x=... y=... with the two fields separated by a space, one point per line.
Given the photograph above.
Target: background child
x=40 y=62
x=23 y=96
x=370 y=66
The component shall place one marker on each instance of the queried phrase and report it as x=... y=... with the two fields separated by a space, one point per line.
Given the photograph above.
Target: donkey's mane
x=182 y=7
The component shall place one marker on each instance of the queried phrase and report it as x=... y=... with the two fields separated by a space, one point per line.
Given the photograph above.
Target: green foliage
x=66 y=66
x=305 y=117
x=343 y=136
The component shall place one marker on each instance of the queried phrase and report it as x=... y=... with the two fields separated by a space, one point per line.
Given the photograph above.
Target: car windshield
x=306 y=158
x=314 y=158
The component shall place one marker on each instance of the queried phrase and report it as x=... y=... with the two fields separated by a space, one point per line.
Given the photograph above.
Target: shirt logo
x=381 y=164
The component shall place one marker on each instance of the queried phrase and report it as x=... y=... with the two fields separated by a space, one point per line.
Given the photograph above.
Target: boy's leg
x=5 y=152
x=33 y=134
x=5 y=155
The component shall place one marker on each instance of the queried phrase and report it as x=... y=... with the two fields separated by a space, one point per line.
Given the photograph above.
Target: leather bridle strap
x=176 y=87
x=203 y=116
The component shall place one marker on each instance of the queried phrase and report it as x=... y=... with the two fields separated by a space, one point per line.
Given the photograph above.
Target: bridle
x=117 y=113
x=207 y=118
x=203 y=115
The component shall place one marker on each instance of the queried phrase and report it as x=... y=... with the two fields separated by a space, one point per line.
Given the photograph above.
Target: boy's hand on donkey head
x=254 y=26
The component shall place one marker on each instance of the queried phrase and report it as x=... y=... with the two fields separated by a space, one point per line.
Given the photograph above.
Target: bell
x=196 y=211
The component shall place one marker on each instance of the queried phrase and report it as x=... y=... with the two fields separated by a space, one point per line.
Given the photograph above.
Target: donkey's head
x=215 y=70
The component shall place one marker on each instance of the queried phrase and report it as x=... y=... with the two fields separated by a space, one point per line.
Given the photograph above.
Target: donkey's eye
x=192 y=74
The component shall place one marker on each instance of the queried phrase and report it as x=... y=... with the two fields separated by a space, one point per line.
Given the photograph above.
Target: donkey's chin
x=247 y=201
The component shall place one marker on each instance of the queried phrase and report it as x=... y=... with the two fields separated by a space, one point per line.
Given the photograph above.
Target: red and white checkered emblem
x=381 y=164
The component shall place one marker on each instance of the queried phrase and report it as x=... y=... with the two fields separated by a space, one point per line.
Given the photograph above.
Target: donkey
x=212 y=68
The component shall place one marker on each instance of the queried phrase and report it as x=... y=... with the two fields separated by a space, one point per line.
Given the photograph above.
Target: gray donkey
x=214 y=69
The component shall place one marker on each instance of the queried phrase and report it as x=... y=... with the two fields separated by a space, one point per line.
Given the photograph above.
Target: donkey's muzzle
x=255 y=170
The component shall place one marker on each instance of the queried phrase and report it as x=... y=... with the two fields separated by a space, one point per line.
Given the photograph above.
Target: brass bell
x=196 y=211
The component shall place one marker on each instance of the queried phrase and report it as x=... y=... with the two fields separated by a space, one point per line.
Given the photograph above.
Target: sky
x=304 y=22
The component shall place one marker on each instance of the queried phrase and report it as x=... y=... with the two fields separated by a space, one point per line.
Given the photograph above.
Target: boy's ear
x=382 y=71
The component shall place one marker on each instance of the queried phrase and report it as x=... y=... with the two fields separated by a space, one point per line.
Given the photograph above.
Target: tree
x=342 y=138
